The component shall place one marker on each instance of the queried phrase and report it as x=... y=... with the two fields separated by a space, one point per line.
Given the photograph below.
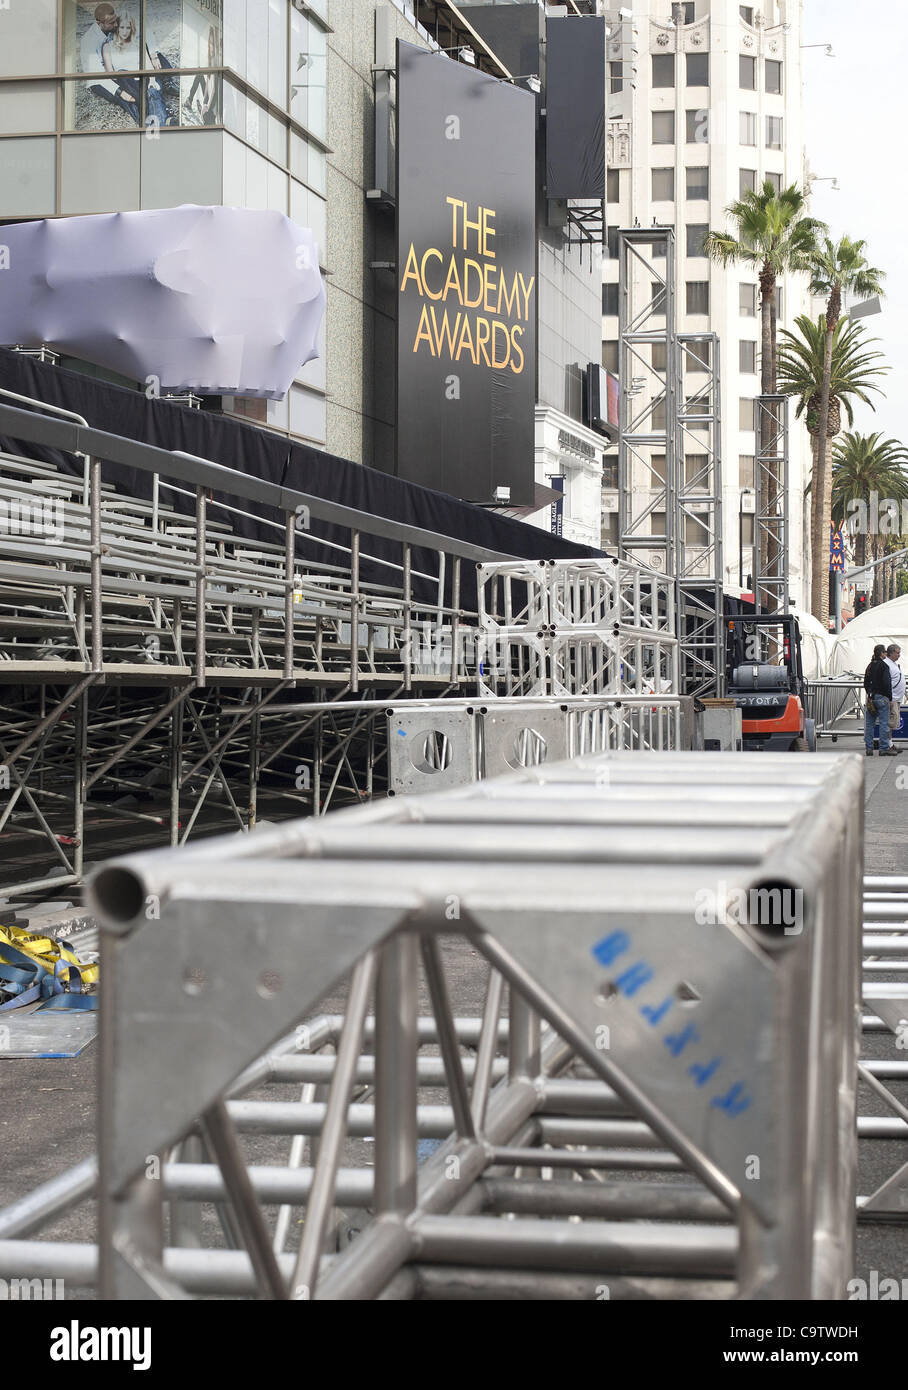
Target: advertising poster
x=466 y=274
x=108 y=42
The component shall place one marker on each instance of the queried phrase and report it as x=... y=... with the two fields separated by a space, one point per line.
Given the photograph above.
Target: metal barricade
x=833 y=700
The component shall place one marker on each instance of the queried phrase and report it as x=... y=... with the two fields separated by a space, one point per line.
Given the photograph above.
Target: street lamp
x=827 y=46
x=812 y=179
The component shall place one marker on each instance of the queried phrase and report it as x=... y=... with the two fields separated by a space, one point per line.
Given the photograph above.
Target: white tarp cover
x=815 y=645
x=853 y=648
x=220 y=301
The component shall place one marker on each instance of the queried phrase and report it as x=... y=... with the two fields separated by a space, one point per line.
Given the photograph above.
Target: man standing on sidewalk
x=897 y=675
x=878 y=685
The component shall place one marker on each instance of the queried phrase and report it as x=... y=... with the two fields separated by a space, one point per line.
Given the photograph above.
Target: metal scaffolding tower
x=647 y=465
x=669 y=451
x=698 y=532
x=771 y=483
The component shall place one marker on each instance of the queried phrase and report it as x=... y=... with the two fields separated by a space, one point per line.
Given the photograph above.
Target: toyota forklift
x=765 y=678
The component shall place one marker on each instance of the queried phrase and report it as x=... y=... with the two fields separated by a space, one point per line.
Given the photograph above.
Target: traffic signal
x=860 y=604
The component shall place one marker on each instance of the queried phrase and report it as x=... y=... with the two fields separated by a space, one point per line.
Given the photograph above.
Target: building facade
x=287 y=105
x=705 y=102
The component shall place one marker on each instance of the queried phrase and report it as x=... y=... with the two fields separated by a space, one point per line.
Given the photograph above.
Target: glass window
x=657 y=524
x=748 y=301
x=774 y=132
x=697 y=355
x=775 y=180
x=746 y=413
x=659 y=357
x=663 y=185
x=748 y=128
x=696 y=234
x=748 y=181
x=27 y=107
x=657 y=297
x=616 y=77
x=747 y=355
x=658 y=249
x=747 y=73
x=613 y=186
x=610 y=355
x=696 y=470
x=696 y=532
x=689 y=11
x=773 y=77
x=663 y=127
x=698 y=127
x=697 y=69
x=745 y=470
x=100 y=174
x=308 y=74
x=657 y=461
x=27 y=178
x=698 y=182
x=747 y=13
x=610 y=299
x=28 y=36
x=698 y=296
x=663 y=69
x=276 y=89
x=612 y=242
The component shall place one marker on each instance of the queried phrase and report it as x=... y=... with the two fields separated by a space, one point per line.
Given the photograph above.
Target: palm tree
x=837 y=267
x=864 y=464
x=773 y=235
x=855 y=368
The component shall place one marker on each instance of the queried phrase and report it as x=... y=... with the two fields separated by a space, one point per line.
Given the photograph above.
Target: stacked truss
x=771 y=485
x=576 y=628
x=669 y=453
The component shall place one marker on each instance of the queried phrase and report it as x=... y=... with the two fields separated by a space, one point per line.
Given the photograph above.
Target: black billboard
x=575 y=99
x=466 y=276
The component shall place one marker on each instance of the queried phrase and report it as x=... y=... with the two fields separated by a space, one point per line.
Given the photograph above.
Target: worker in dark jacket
x=878 y=685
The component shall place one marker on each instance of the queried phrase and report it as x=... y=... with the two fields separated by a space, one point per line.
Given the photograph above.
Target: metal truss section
x=567 y=628
x=698 y=534
x=629 y=1027
x=771 y=485
x=885 y=996
x=647 y=354
x=436 y=745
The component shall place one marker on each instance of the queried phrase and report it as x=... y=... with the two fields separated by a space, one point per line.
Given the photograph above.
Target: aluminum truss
x=885 y=995
x=570 y=628
x=771 y=486
x=669 y=451
x=641 y=1036
x=698 y=534
x=647 y=347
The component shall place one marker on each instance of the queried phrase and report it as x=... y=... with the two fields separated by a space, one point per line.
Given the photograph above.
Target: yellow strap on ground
x=43 y=950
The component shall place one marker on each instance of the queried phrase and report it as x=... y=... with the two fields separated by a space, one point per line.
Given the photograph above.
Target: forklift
x=765 y=678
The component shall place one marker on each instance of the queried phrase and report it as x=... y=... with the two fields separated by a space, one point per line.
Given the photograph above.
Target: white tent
x=815 y=645
x=852 y=650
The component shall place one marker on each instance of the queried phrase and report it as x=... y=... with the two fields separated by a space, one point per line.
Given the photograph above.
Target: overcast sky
x=854 y=120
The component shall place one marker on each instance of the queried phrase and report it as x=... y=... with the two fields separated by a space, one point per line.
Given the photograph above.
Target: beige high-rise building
x=705 y=102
